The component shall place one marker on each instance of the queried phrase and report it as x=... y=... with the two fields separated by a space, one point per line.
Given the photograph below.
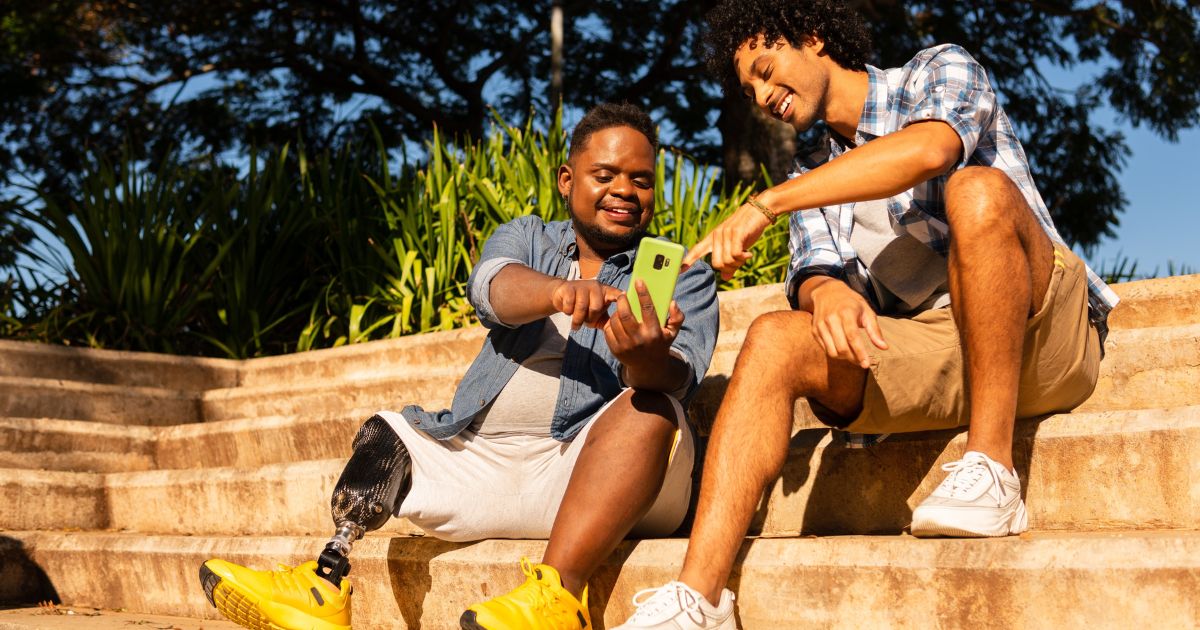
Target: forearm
x=878 y=169
x=811 y=284
x=520 y=295
x=666 y=376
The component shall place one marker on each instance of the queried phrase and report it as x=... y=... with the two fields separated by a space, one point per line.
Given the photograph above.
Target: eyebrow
x=613 y=167
x=754 y=65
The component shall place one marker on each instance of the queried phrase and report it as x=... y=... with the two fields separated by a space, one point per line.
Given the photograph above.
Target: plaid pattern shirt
x=942 y=83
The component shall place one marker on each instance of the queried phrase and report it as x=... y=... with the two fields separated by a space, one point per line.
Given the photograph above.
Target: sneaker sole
x=245 y=609
x=236 y=606
x=933 y=523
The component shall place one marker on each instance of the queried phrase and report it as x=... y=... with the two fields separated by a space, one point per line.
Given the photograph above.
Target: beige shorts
x=470 y=488
x=918 y=383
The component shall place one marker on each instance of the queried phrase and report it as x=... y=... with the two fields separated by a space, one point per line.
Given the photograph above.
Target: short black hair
x=734 y=22
x=608 y=115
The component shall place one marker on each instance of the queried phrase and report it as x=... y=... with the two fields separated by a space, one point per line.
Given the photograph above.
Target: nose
x=621 y=186
x=762 y=94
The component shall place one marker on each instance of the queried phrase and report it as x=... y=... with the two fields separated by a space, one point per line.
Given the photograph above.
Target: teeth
x=784 y=105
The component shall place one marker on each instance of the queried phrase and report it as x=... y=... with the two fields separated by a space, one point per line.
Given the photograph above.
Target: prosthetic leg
x=374 y=482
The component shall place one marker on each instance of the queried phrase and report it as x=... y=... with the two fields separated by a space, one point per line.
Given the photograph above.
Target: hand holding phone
x=657 y=263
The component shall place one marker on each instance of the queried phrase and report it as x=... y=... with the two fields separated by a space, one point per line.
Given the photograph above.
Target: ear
x=815 y=45
x=565 y=177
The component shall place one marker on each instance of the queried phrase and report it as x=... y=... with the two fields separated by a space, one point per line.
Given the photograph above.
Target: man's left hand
x=642 y=345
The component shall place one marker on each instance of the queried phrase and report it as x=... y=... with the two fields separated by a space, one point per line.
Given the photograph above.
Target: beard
x=601 y=239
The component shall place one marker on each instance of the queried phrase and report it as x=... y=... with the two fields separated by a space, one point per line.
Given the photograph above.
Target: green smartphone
x=657 y=264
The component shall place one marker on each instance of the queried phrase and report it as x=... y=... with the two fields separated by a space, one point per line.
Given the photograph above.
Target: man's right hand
x=586 y=301
x=839 y=314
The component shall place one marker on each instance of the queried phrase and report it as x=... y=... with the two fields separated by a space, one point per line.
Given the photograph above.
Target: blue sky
x=1162 y=221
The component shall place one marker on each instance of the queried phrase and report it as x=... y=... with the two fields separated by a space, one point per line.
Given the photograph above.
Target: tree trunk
x=556 y=54
x=750 y=139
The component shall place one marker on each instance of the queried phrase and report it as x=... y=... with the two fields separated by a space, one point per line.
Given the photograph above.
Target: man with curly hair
x=930 y=287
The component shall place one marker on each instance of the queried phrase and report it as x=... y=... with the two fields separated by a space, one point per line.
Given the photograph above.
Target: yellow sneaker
x=283 y=599
x=541 y=603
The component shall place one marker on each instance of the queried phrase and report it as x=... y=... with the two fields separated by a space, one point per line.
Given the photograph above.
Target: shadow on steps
x=22 y=581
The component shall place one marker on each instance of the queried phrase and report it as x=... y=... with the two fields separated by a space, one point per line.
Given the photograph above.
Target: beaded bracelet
x=771 y=216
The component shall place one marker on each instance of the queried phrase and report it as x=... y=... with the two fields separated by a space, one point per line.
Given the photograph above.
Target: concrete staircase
x=121 y=472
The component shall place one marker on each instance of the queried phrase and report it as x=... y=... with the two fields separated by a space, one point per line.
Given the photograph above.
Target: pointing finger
x=700 y=250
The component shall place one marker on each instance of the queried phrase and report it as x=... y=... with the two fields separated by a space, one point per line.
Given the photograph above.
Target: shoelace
x=289 y=582
x=544 y=599
x=652 y=602
x=966 y=472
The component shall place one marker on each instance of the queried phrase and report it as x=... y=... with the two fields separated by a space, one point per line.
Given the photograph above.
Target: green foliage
x=1124 y=269
x=307 y=251
x=137 y=275
x=224 y=75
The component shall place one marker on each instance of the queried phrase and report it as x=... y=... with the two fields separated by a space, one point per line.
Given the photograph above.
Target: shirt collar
x=873 y=122
x=569 y=247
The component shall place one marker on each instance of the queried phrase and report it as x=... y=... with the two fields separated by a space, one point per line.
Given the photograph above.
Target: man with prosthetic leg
x=929 y=287
x=568 y=387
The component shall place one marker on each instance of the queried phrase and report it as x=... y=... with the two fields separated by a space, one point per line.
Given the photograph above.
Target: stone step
x=1059 y=580
x=1136 y=360
x=432 y=387
x=355 y=380
x=52 y=500
x=1147 y=303
x=252 y=442
x=1094 y=471
x=74 y=445
x=115 y=404
x=366 y=361
x=1083 y=471
x=1144 y=368
x=112 y=367
x=64 y=617
x=1157 y=302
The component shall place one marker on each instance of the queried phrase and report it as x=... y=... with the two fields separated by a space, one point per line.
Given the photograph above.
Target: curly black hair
x=608 y=115
x=734 y=22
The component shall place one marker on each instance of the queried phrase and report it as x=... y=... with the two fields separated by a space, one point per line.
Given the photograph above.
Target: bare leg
x=1000 y=265
x=634 y=436
x=780 y=361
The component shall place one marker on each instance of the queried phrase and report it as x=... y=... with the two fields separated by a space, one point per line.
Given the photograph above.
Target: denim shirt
x=590 y=373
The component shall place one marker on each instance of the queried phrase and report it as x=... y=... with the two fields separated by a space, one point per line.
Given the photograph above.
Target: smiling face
x=787 y=83
x=609 y=186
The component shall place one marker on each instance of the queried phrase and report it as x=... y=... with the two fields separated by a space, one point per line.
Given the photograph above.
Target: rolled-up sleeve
x=696 y=295
x=509 y=244
x=810 y=240
x=952 y=87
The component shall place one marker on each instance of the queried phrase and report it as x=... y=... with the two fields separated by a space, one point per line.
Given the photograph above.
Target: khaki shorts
x=918 y=383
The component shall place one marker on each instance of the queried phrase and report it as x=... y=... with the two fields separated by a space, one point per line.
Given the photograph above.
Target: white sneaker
x=979 y=498
x=677 y=606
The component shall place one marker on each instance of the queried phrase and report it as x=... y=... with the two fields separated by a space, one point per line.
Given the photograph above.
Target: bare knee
x=982 y=200
x=780 y=346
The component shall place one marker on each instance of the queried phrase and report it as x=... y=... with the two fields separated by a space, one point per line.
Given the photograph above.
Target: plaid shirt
x=941 y=83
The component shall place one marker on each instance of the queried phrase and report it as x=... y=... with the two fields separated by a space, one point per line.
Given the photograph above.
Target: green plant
x=138 y=272
x=296 y=251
